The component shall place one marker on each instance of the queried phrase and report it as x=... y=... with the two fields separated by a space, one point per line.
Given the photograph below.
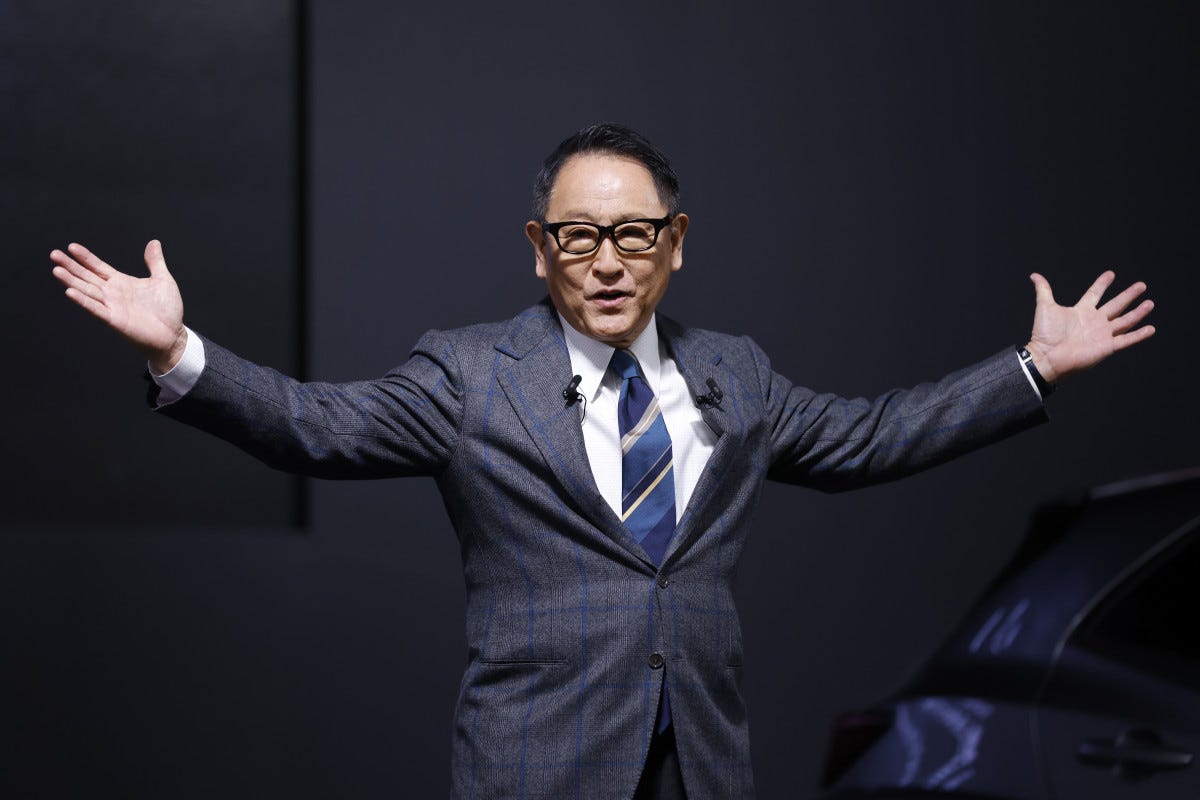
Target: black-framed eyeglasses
x=630 y=236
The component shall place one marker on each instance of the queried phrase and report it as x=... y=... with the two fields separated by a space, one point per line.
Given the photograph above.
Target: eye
x=635 y=234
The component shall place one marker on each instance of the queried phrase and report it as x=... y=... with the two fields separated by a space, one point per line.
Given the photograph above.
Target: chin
x=613 y=334
x=605 y=328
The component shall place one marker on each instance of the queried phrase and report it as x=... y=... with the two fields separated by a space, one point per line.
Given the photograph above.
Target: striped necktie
x=647 y=481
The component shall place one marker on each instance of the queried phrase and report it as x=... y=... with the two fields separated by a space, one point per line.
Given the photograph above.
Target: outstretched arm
x=405 y=423
x=1068 y=339
x=147 y=312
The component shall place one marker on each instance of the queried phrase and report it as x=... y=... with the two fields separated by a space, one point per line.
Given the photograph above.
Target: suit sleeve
x=834 y=443
x=405 y=423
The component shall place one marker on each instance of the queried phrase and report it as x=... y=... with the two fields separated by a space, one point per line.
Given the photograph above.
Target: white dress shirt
x=692 y=440
x=179 y=379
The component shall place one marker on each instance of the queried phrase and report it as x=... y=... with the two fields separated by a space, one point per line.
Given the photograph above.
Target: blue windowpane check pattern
x=647 y=479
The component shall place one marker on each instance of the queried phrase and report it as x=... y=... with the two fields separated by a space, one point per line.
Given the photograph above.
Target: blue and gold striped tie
x=647 y=482
x=647 y=479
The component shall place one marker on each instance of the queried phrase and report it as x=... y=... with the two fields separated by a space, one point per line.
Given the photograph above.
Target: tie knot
x=624 y=364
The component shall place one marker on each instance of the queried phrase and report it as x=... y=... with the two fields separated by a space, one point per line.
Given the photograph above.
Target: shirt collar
x=590 y=357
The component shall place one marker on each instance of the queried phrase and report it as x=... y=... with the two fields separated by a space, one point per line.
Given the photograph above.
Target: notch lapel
x=533 y=378
x=699 y=361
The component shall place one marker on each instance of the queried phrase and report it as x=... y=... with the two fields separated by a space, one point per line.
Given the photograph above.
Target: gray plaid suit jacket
x=571 y=629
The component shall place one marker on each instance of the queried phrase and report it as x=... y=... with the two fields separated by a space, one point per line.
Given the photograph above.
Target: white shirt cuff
x=1028 y=377
x=179 y=380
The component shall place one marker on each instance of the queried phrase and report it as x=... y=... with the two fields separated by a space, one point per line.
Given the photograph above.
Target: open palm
x=1069 y=339
x=148 y=312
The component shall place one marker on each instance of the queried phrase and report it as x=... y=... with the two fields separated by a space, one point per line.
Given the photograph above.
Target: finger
x=92 y=306
x=88 y=259
x=59 y=257
x=65 y=262
x=1118 y=304
x=1092 y=296
x=80 y=283
x=1041 y=288
x=155 y=262
x=1127 y=321
x=1133 y=337
x=62 y=259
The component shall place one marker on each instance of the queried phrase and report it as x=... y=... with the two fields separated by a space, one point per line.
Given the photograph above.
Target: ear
x=533 y=232
x=679 y=227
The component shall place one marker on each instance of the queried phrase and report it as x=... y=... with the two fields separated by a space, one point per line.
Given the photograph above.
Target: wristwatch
x=1046 y=388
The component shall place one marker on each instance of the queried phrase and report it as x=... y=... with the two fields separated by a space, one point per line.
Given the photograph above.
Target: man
x=600 y=465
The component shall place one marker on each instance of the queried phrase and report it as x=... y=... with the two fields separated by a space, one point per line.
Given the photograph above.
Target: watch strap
x=1045 y=387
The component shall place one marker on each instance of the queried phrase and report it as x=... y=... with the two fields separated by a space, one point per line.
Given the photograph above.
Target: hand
x=147 y=312
x=1069 y=339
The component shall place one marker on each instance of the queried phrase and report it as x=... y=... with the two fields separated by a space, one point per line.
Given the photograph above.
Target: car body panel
x=1075 y=675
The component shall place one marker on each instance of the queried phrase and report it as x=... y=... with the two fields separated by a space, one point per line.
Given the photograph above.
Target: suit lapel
x=699 y=362
x=533 y=379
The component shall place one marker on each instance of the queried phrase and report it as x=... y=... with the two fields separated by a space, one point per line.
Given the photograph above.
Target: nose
x=607 y=260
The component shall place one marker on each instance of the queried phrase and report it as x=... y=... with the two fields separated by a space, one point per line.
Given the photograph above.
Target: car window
x=1152 y=622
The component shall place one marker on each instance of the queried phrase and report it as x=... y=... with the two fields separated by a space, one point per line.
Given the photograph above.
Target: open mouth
x=610 y=295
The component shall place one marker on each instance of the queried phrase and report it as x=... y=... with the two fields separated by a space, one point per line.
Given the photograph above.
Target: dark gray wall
x=128 y=121
x=869 y=185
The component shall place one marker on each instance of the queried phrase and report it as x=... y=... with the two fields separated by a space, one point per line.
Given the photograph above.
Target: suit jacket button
x=663 y=581
x=656 y=660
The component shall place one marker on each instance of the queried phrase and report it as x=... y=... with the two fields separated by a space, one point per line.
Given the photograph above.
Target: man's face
x=608 y=294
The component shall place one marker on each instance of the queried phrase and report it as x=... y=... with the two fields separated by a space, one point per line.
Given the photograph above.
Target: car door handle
x=1135 y=753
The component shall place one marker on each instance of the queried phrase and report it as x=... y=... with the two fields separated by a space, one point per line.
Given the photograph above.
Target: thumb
x=1041 y=288
x=154 y=259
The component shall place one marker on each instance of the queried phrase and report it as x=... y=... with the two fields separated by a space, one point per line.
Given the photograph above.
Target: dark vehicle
x=1077 y=674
